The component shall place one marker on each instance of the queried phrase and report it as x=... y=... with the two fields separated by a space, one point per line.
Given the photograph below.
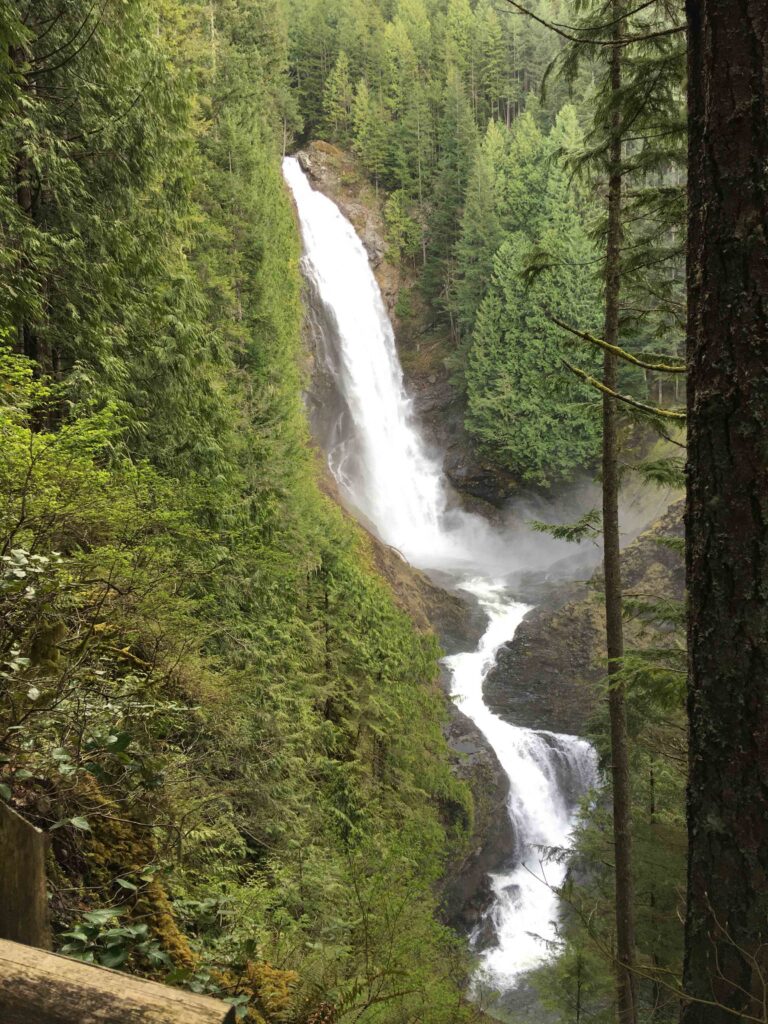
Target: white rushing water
x=547 y=773
x=386 y=473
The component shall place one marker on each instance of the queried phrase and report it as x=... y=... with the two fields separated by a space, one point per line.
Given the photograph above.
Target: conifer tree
x=625 y=104
x=482 y=224
x=526 y=176
x=457 y=138
x=514 y=380
x=370 y=125
x=489 y=61
x=338 y=97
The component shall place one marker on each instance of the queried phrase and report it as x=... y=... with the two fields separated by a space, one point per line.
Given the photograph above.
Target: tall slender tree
x=614 y=625
x=726 y=961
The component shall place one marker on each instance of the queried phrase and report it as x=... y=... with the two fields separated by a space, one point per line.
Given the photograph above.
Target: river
x=387 y=475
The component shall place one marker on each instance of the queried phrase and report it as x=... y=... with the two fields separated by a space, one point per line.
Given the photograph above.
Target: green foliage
x=211 y=701
x=522 y=405
x=581 y=980
x=337 y=100
x=588 y=525
x=428 y=78
x=483 y=223
x=403 y=233
x=99 y=939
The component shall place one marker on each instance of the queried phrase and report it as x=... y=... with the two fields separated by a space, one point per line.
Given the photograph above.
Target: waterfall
x=379 y=460
x=548 y=773
x=386 y=474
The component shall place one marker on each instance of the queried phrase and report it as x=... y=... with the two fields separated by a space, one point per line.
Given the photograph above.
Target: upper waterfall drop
x=381 y=463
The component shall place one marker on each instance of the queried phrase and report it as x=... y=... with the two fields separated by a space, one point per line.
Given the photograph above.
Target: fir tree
x=338 y=97
x=482 y=224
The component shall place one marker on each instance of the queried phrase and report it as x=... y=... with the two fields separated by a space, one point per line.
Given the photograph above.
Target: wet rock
x=467 y=891
x=548 y=676
x=513 y=891
x=439 y=405
x=485 y=936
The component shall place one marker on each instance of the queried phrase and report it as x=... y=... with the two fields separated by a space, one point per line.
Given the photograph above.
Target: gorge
x=395 y=486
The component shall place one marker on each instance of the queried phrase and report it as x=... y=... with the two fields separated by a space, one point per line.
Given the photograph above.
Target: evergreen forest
x=227 y=719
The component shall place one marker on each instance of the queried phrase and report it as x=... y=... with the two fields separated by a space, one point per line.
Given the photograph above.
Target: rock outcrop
x=547 y=676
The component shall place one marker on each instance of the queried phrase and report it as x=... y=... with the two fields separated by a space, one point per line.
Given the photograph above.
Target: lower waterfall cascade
x=387 y=475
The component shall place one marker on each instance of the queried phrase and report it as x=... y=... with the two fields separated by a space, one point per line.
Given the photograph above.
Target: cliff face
x=423 y=347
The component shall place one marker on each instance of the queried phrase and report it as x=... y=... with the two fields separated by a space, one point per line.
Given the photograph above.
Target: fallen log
x=50 y=989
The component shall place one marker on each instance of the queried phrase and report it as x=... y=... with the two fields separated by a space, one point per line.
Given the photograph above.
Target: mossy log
x=49 y=989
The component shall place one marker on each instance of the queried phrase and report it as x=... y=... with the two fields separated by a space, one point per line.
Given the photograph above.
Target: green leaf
x=117 y=744
x=5 y=791
x=114 y=957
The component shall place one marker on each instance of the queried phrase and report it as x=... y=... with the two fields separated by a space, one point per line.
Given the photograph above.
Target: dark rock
x=467 y=892
x=547 y=676
x=485 y=936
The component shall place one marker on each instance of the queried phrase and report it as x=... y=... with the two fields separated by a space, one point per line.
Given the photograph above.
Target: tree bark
x=726 y=941
x=622 y=819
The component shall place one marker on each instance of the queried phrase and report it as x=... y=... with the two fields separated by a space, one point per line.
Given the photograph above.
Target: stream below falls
x=390 y=479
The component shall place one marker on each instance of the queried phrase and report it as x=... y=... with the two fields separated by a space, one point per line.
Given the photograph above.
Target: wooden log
x=45 y=988
x=23 y=896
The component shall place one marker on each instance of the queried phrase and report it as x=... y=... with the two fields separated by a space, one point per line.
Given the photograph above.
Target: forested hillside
x=212 y=703
x=492 y=136
x=486 y=130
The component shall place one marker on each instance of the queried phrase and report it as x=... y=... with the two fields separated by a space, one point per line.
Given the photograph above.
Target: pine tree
x=482 y=225
x=525 y=178
x=515 y=379
x=370 y=124
x=457 y=141
x=489 y=61
x=338 y=97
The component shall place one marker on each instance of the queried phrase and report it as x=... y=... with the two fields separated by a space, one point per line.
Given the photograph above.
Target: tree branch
x=620 y=352
x=585 y=40
x=651 y=410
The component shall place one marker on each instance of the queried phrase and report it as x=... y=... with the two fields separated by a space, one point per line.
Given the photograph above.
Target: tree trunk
x=622 y=823
x=726 y=942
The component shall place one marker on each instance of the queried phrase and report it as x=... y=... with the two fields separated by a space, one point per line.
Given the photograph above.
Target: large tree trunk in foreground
x=726 y=958
x=622 y=818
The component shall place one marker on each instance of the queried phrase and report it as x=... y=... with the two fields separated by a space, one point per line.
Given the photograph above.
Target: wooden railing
x=40 y=987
